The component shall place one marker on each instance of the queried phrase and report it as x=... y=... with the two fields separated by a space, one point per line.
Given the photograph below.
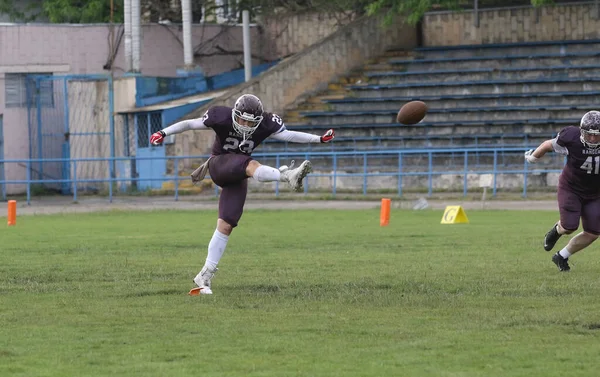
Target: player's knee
x=224 y=227
x=563 y=230
x=251 y=167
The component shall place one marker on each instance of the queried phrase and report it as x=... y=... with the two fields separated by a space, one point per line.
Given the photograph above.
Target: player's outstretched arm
x=533 y=155
x=158 y=137
x=304 y=137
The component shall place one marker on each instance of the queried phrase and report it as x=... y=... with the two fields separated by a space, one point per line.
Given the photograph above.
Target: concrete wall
x=292 y=34
x=124 y=94
x=522 y=24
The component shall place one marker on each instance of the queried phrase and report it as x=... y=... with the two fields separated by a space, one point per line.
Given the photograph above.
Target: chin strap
x=244 y=138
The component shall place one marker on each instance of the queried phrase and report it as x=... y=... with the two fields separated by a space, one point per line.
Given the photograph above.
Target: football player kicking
x=239 y=130
x=578 y=186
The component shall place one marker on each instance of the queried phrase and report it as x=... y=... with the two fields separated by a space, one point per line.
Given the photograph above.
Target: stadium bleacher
x=497 y=94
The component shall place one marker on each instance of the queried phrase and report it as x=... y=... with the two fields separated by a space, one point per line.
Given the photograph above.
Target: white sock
x=216 y=248
x=564 y=253
x=266 y=174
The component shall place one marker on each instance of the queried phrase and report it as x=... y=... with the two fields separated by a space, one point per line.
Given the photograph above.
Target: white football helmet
x=249 y=108
x=590 y=125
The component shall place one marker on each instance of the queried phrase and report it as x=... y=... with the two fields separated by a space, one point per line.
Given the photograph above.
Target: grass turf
x=298 y=293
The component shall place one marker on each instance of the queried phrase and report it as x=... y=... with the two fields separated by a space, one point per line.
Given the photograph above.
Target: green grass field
x=303 y=293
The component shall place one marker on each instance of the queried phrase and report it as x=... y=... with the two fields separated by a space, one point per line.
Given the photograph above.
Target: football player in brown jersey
x=239 y=130
x=578 y=191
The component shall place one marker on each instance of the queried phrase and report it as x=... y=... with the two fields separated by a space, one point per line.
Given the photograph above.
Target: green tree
x=64 y=11
x=17 y=11
x=82 y=11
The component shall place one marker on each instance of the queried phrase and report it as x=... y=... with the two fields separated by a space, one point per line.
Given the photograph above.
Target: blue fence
x=153 y=90
x=399 y=165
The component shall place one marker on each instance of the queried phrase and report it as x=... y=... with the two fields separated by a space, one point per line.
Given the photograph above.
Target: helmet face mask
x=590 y=129
x=247 y=108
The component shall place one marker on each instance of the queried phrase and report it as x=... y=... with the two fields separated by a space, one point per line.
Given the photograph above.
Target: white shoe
x=294 y=177
x=202 y=280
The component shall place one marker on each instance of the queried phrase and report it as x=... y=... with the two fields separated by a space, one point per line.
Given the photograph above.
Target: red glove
x=157 y=138
x=328 y=136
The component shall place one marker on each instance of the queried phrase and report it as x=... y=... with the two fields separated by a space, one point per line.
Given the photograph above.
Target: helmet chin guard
x=243 y=129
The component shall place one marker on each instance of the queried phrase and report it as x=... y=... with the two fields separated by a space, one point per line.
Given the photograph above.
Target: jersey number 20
x=233 y=144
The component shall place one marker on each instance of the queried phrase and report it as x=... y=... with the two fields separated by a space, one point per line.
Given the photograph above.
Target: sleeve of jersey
x=185 y=125
x=295 y=137
x=561 y=141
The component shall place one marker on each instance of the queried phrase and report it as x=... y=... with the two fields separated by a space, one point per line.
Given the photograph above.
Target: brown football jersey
x=228 y=140
x=582 y=170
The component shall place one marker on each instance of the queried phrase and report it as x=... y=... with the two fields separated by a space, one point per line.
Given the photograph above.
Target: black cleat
x=551 y=237
x=560 y=262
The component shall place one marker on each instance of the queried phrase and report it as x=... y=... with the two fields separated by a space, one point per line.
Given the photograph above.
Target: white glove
x=530 y=157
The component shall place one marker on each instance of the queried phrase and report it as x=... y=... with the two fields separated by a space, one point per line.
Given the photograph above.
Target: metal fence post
x=277 y=164
x=525 y=175
x=29 y=109
x=176 y=169
x=365 y=180
x=334 y=174
x=306 y=186
x=466 y=167
x=40 y=140
x=28 y=177
x=430 y=180
x=111 y=122
x=110 y=185
x=66 y=143
x=74 y=180
x=495 y=171
x=399 y=174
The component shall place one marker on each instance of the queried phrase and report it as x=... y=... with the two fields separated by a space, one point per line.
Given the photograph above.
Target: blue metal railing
x=364 y=168
x=349 y=143
x=151 y=90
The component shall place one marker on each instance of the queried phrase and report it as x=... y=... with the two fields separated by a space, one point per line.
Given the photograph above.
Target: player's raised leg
x=292 y=176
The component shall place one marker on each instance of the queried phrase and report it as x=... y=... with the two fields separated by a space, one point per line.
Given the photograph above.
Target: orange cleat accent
x=195 y=291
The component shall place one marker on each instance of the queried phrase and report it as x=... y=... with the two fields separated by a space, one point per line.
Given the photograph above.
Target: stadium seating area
x=482 y=95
